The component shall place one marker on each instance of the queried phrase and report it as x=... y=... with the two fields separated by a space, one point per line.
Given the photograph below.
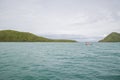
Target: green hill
x=16 y=36
x=113 y=37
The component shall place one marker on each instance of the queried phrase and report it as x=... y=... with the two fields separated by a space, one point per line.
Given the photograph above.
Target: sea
x=59 y=61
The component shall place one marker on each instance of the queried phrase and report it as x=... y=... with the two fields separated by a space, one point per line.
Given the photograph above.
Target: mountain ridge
x=18 y=36
x=112 y=37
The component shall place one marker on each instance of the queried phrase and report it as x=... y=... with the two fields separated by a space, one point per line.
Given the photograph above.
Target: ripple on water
x=59 y=61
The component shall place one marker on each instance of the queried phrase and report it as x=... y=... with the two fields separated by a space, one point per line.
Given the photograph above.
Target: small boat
x=87 y=43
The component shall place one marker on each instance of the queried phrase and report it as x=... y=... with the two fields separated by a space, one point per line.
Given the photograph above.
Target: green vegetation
x=16 y=36
x=113 y=37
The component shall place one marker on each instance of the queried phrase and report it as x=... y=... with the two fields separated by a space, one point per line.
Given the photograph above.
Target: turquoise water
x=59 y=61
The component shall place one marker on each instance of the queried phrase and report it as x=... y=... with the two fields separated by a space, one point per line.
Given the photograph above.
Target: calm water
x=59 y=61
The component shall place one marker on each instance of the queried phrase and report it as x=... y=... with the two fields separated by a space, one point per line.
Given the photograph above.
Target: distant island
x=17 y=36
x=113 y=37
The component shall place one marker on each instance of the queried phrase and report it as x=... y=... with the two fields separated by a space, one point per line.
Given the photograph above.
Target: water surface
x=59 y=61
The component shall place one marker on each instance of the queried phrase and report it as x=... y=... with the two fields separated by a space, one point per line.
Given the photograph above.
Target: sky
x=89 y=18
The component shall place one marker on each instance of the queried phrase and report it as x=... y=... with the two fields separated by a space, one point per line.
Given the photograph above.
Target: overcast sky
x=78 y=17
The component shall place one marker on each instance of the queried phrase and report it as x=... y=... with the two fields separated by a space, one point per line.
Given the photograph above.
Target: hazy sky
x=84 y=17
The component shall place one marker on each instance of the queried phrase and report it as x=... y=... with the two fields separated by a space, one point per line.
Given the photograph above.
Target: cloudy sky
x=72 y=17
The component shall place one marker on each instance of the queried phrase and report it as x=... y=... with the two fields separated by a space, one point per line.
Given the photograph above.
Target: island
x=17 y=36
x=112 y=37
